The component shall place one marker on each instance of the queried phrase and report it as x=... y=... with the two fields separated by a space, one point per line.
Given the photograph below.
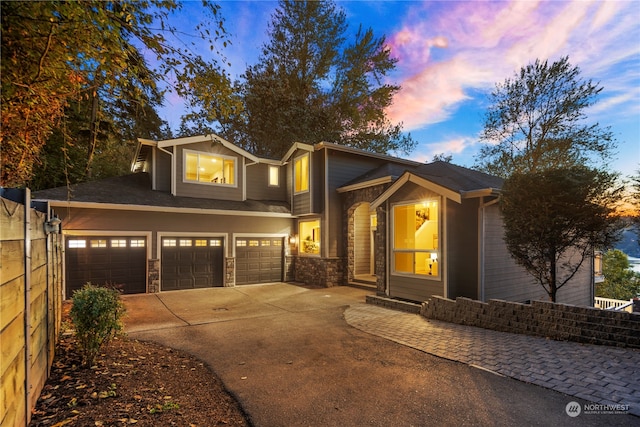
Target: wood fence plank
x=12 y=255
x=12 y=402
x=11 y=220
x=11 y=301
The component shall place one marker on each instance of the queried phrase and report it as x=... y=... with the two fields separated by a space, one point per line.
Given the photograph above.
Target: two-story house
x=200 y=212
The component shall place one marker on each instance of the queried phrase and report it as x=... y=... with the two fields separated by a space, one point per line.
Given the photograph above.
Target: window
x=201 y=242
x=118 y=243
x=310 y=237
x=209 y=168
x=241 y=243
x=99 y=243
x=169 y=243
x=301 y=174
x=215 y=242
x=77 y=244
x=137 y=243
x=185 y=242
x=415 y=238
x=274 y=176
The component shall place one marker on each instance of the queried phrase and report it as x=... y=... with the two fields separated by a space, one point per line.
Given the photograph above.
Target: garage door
x=120 y=261
x=190 y=262
x=259 y=260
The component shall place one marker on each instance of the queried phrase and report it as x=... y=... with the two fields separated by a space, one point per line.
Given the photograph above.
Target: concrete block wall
x=540 y=318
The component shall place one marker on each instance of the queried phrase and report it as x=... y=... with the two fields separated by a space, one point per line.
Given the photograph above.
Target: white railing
x=611 y=304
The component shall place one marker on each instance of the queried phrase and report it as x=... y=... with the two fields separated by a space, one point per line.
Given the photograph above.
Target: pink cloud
x=481 y=43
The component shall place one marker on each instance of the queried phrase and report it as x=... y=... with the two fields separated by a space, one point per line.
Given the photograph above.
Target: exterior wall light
x=52 y=225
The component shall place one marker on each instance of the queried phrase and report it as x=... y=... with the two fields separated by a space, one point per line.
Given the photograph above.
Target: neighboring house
x=200 y=212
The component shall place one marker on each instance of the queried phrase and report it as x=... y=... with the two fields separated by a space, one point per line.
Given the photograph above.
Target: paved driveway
x=290 y=357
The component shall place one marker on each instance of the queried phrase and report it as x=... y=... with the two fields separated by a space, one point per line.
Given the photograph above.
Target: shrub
x=97 y=316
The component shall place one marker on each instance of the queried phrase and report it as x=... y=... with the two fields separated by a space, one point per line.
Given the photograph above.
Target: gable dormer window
x=209 y=168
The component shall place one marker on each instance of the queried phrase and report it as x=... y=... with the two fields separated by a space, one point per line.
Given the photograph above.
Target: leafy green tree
x=536 y=120
x=555 y=217
x=620 y=281
x=634 y=201
x=57 y=54
x=310 y=85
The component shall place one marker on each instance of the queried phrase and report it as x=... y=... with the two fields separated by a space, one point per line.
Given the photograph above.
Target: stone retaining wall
x=545 y=319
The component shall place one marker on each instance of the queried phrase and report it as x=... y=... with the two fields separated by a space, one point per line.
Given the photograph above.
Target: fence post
x=27 y=303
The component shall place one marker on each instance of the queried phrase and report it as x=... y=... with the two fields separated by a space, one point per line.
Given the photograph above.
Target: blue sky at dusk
x=452 y=53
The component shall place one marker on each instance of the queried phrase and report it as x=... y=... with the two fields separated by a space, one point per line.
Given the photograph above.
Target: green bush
x=97 y=316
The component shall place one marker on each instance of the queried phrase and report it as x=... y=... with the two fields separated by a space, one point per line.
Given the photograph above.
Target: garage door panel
x=96 y=260
x=259 y=260
x=193 y=262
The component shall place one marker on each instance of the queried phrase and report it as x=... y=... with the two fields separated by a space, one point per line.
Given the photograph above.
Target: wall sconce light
x=52 y=225
x=293 y=240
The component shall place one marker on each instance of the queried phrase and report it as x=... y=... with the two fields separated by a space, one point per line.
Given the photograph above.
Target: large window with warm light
x=309 y=235
x=415 y=238
x=301 y=173
x=209 y=168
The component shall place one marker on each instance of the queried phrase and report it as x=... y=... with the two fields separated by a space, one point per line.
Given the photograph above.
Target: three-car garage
x=186 y=262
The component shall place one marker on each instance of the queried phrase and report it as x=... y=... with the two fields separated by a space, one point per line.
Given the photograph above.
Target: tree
x=536 y=120
x=55 y=54
x=634 y=201
x=556 y=217
x=620 y=281
x=310 y=86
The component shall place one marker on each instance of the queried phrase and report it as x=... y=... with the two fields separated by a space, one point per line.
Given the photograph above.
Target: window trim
x=318 y=241
x=234 y=159
x=271 y=168
x=438 y=250
x=295 y=175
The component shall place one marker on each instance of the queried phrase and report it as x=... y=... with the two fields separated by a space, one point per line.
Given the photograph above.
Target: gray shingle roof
x=135 y=189
x=457 y=178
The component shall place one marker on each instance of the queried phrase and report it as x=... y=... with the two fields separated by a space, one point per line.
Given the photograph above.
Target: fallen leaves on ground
x=133 y=383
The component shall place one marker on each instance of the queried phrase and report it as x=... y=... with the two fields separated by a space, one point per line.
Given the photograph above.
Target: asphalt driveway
x=290 y=358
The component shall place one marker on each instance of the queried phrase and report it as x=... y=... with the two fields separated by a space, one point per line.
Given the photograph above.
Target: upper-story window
x=209 y=168
x=274 y=176
x=301 y=173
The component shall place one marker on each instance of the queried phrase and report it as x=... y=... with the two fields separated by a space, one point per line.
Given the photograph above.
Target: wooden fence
x=30 y=303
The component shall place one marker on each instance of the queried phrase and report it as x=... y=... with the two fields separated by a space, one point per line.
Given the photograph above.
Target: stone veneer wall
x=351 y=200
x=545 y=319
x=229 y=272
x=153 y=278
x=325 y=272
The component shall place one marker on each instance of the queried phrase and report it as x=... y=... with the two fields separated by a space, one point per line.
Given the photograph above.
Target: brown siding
x=153 y=222
x=462 y=248
x=414 y=289
x=186 y=189
x=258 y=183
x=506 y=280
x=343 y=168
x=162 y=173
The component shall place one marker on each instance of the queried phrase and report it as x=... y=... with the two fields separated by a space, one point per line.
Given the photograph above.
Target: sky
x=451 y=55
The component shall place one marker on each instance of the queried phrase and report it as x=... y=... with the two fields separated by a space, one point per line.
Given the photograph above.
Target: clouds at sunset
x=446 y=49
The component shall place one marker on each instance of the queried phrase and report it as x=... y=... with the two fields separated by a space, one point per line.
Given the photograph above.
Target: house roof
x=457 y=178
x=452 y=181
x=134 y=190
x=388 y=172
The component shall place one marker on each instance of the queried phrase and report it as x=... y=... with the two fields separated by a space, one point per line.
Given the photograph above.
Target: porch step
x=394 y=304
x=363 y=284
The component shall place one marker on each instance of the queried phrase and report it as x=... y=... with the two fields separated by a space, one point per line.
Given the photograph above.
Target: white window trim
x=308 y=173
x=393 y=250
x=216 y=184
x=277 y=169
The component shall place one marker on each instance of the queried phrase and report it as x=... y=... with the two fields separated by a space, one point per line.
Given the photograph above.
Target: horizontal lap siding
x=504 y=279
x=152 y=222
x=258 y=187
x=414 y=289
x=209 y=191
